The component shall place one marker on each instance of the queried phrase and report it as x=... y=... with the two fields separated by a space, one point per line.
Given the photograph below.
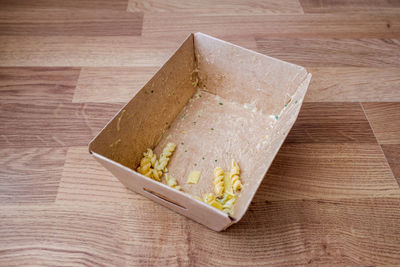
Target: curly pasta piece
x=161 y=164
x=208 y=198
x=228 y=205
x=171 y=181
x=219 y=185
x=235 y=179
x=149 y=154
x=146 y=163
x=145 y=167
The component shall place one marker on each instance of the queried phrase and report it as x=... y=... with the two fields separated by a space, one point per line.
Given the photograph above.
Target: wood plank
x=284 y=233
x=331 y=123
x=80 y=235
x=37 y=84
x=165 y=25
x=52 y=124
x=328 y=171
x=392 y=154
x=86 y=181
x=70 y=23
x=353 y=6
x=30 y=175
x=61 y=4
x=300 y=171
x=217 y=7
x=116 y=84
x=318 y=232
x=329 y=84
x=59 y=51
x=385 y=121
x=327 y=52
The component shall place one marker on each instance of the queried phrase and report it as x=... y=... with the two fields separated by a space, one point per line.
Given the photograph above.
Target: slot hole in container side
x=164 y=198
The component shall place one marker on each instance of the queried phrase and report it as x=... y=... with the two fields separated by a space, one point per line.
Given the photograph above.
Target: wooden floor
x=330 y=198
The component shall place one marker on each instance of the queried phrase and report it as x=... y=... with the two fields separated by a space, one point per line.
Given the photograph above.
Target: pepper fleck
x=185 y=150
x=215 y=160
x=152 y=91
x=212 y=129
x=221 y=103
x=203 y=158
x=182 y=143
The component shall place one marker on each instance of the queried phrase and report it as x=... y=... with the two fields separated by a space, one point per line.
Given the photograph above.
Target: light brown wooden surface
x=331 y=197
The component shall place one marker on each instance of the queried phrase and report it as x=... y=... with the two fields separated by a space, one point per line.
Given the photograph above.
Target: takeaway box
x=217 y=102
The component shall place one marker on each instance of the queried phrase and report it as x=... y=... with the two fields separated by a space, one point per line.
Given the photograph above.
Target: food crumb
x=119 y=120
x=194 y=177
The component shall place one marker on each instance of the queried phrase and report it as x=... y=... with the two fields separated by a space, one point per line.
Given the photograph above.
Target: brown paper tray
x=217 y=102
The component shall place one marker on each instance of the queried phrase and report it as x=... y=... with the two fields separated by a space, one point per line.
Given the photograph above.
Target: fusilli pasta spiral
x=219 y=185
x=235 y=179
x=161 y=164
x=171 y=181
x=146 y=163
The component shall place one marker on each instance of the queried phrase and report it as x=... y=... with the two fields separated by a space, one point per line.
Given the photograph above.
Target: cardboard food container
x=217 y=102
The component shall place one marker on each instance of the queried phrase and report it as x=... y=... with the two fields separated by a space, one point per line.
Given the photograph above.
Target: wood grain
x=300 y=171
x=299 y=232
x=30 y=175
x=392 y=153
x=92 y=235
x=167 y=25
x=85 y=180
x=89 y=5
x=330 y=198
x=353 y=6
x=217 y=7
x=84 y=51
x=327 y=52
x=328 y=171
x=118 y=84
x=51 y=124
x=330 y=84
x=70 y=23
x=331 y=123
x=385 y=121
x=284 y=233
x=37 y=84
